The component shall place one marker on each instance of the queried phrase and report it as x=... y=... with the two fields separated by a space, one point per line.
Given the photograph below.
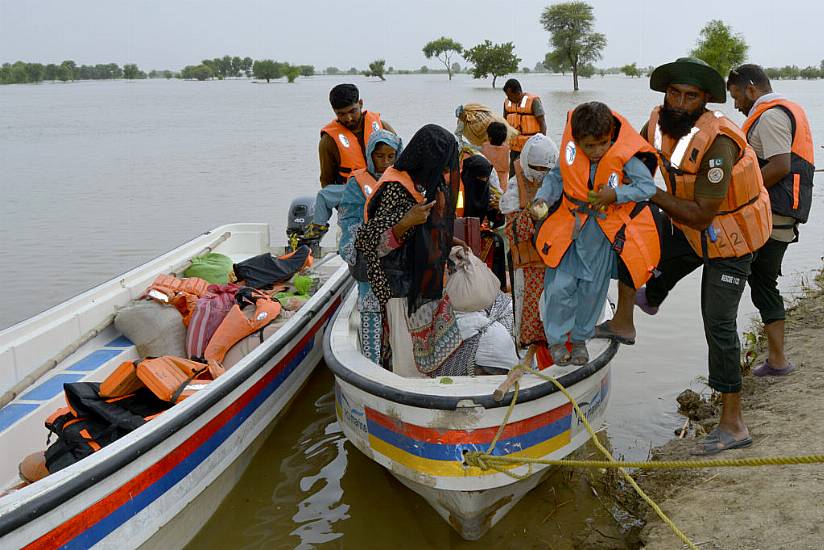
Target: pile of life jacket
x=217 y=317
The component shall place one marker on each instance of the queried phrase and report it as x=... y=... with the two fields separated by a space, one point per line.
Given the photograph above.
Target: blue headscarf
x=381 y=136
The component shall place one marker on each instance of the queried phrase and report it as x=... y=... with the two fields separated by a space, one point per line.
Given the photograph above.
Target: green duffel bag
x=212 y=267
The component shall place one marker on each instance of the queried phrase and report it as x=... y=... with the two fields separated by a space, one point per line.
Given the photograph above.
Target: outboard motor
x=301 y=214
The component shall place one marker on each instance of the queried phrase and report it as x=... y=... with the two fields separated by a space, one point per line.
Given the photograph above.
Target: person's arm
x=387 y=127
x=637 y=186
x=539 y=113
x=329 y=160
x=774 y=133
x=697 y=214
x=776 y=168
x=552 y=186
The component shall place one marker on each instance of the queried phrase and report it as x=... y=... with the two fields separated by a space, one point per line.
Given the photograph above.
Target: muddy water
x=98 y=177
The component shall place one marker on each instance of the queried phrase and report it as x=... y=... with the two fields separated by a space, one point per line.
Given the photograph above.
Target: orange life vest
x=744 y=221
x=630 y=227
x=352 y=156
x=235 y=327
x=519 y=116
x=523 y=252
x=367 y=184
x=392 y=174
x=172 y=379
x=793 y=194
x=498 y=155
x=181 y=293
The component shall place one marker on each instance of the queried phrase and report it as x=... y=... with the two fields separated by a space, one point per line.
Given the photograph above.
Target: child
x=596 y=232
x=381 y=151
x=497 y=151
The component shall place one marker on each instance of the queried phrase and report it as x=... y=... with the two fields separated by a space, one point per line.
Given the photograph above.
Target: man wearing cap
x=341 y=150
x=780 y=135
x=718 y=216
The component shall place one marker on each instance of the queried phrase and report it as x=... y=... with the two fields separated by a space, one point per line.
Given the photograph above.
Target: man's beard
x=677 y=123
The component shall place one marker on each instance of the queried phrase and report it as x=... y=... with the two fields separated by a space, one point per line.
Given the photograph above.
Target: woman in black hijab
x=407 y=239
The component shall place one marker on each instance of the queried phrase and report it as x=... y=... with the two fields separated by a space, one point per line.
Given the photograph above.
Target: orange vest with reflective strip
x=630 y=227
x=792 y=195
x=519 y=116
x=391 y=174
x=498 y=155
x=352 y=156
x=523 y=252
x=744 y=221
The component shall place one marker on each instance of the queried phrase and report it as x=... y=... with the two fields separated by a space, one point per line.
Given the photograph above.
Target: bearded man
x=719 y=216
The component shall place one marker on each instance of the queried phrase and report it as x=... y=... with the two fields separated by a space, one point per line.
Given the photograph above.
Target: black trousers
x=722 y=284
x=766 y=268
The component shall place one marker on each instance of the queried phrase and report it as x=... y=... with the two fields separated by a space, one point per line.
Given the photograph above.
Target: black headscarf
x=475 y=178
x=431 y=152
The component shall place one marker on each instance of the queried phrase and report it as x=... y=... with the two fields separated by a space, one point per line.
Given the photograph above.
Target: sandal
x=580 y=355
x=560 y=354
x=717 y=441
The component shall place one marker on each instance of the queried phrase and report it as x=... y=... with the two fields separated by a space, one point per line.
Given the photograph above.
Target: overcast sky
x=160 y=34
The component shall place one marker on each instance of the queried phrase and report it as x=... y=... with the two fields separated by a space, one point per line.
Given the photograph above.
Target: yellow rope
x=657 y=465
x=485 y=460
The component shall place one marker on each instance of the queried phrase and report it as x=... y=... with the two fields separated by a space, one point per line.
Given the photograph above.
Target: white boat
x=158 y=485
x=419 y=429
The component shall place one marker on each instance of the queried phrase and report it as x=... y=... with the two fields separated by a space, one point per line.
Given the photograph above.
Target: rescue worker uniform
x=523 y=116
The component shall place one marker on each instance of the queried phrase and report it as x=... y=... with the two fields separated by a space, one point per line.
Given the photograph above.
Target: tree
x=376 y=68
x=719 y=47
x=71 y=66
x=246 y=66
x=132 y=72
x=267 y=69
x=570 y=24
x=539 y=67
x=631 y=70
x=810 y=73
x=556 y=63
x=199 y=72
x=492 y=59
x=443 y=49
x=307 y=70
x=525 y=70
x=332 y=70
x=456 y=68
x=424 y=69
x=353 y=70
x=291 y=72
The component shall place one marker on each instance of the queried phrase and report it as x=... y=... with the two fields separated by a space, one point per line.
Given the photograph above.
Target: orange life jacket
x=519 y=116
x=367 y=184
x=744 y=221
x=172 y=379
x=523 y=252
x=793 y=194
x=352 y=156
x=498 y=155
x=235 y=327
x=393 y=174
x=181 y=293
x=630 y=227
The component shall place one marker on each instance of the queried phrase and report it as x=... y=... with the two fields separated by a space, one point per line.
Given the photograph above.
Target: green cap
x=690 y=70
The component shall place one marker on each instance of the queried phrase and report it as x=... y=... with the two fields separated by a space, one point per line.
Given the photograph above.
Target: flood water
x=99 y=177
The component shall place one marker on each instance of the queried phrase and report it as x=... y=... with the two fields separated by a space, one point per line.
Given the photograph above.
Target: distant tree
x=237 y=66
x=35 y=72
x=64 y=74
x=226 y=65
x=71 y=66
x=332 y=70
x=167 y=74
x=573 y=37
x=631 y=70
x=556 y=63
x=246 y=66
x=587 y=70
x=492 y=59
x=267 y=69
x=773 y=73
x=376 y=68
x=525 y=69
x=197 y=72
x=291 y=72
x=353 y=70
x=390 y=70
x=456 y=68
x=790 y=72
x=443 y=49
x=307 y=70
x=719 y=47
x=539 y=67
x=132 y=72
x=810 y=73
x=50 y=72
x=424 y=69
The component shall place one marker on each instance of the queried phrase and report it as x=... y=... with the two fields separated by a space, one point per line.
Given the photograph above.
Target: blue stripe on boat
x=50 y=387
x=95 y=359
x=121 y=515
x=14 y=412
x=437 y=451
x=119 y=342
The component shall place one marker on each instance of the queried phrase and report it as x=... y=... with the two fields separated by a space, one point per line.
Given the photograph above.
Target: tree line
x=22 y=72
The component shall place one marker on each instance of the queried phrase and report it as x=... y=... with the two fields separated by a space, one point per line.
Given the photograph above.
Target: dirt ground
x=773 y=507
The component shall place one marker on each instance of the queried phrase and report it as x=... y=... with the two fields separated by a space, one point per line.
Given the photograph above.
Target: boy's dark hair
x=591 y=119
x=496 y=131
x=343 y=95
x=512 y=85
x=749 y=74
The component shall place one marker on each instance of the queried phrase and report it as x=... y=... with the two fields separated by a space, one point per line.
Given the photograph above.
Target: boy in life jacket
x=381 y=151
x=341 y=151
x=600 y=228
x=496 y=151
